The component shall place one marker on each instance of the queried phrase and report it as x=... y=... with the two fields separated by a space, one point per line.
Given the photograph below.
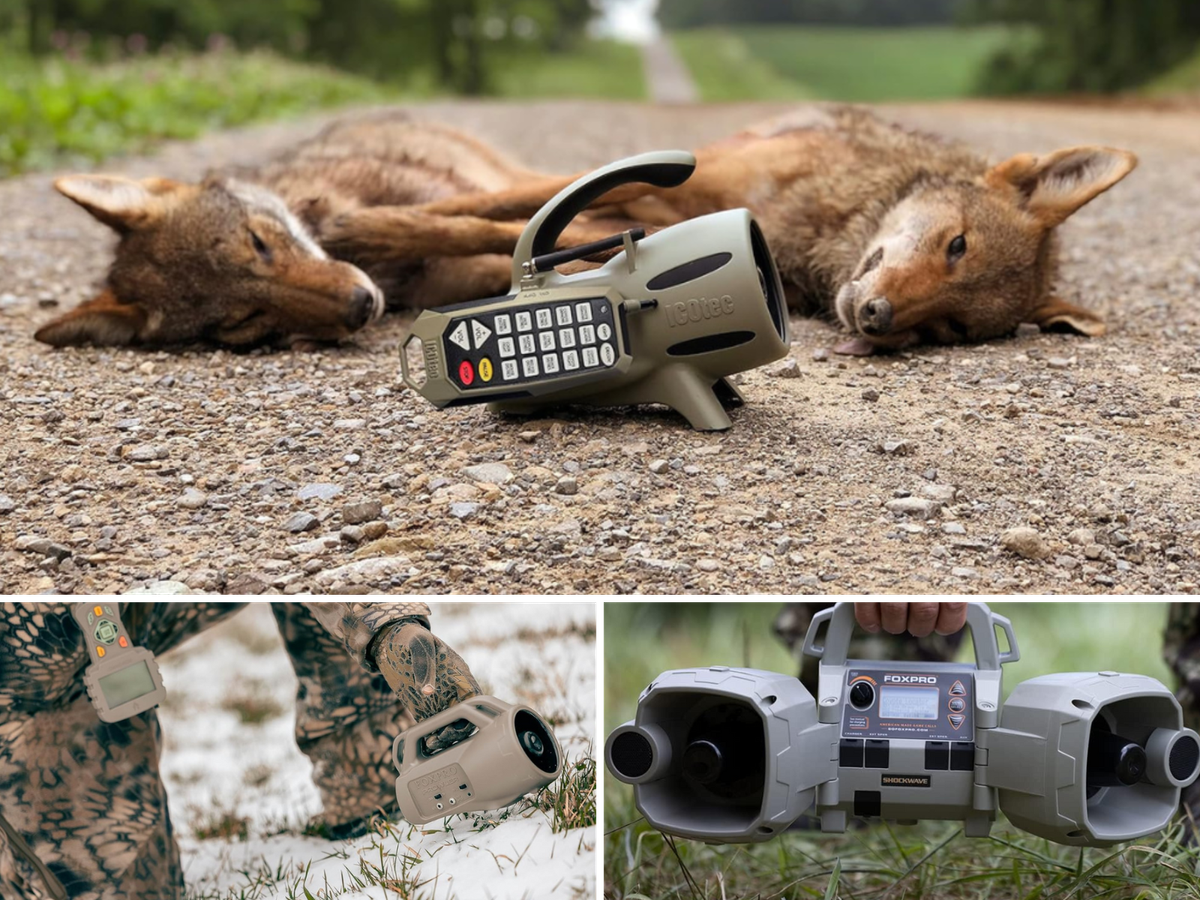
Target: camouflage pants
x=87 y=798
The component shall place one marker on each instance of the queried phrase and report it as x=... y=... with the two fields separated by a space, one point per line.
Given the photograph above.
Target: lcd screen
x=127 y=684
x=908 y=703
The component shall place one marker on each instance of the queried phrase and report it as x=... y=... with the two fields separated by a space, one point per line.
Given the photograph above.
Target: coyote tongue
x=855 y=347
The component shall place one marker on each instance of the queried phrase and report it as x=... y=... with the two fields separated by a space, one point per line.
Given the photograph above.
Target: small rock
x=353 y=534
x=943 y=492
x=161 y=588
x=766 y=563
x=463 y=509
x=319 y=491
x=146 y=453
x=789 y=368
x=1028 y=329
x=568 y=485
x=363 y=511
x=529 y=436
x=41 y=546
x=1066 y=562
x=953 y=528
x=375 y=530
x=964 y=572
x=349 y=424
x=708 y=565
x=821 y=354
x=870 y=395
x=192 y=499
x=1059 y=362
x=1082 y=536
x=912 y=506
x=896 y=447
x=1024 y=541
x=352 y=459
x=1093 y=551
x=6 y=504
x=659 y=466
x=301 y=522
x=490 y=473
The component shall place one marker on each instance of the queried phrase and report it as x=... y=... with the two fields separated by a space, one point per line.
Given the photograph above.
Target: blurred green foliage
x=874 y=13
x=1088 y=46
x=461 y=42
x=792 y=62
x=53 y=112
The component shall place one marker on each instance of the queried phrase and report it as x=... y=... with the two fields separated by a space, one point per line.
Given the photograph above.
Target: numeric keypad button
x=590 y=358
x=524 y=321
x=570 y=360
x=528 y=344
x=508 y=370
x=546 y=340
x=566 y=337
x=507 y=348
x=587 y=334
x=503 y=324
x=550 y=364
x=562 y=314
x=583 y=312
x=529 y=366
x=545 y=319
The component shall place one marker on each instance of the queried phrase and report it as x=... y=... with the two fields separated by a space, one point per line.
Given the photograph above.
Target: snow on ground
x=240 y=791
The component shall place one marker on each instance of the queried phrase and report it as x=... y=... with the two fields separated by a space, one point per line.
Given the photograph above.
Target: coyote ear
x=120 y=203
x=1059 y=313
x=103 y=321
x=1055 y=186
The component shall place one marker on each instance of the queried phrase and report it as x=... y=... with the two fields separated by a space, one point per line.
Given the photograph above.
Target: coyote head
x=223 y=261
x=970 y=259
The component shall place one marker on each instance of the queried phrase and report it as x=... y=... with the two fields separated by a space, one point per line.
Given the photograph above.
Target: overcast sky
x=631 y=20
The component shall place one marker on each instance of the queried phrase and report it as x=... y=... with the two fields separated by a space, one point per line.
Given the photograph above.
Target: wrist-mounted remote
x=123 y=679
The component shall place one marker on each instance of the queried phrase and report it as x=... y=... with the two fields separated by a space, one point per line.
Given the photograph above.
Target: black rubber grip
x=658 y=174
x=558 y=257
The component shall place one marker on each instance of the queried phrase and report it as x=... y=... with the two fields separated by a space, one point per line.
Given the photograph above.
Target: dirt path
x=667 y=78
x=1092 y=442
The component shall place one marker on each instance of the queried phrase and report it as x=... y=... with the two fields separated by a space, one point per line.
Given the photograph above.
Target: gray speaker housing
x=1037 y=759
x=801 y=753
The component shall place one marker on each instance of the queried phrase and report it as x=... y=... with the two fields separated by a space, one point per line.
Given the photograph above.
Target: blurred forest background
x=84 y=79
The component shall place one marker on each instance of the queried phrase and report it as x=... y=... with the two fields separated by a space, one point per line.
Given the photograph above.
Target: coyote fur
x=900 y=236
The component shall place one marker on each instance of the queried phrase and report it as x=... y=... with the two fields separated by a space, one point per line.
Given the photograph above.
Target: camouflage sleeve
x=356 y=624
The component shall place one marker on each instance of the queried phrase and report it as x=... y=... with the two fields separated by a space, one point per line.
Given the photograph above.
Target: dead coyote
x=901 y=236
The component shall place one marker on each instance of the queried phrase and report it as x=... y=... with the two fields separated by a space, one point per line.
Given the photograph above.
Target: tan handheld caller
x=511 y=752
x=666 y=320
x=122 y=680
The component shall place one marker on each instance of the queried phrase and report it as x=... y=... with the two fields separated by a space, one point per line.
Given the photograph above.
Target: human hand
x=918 y=619
x=427 y=675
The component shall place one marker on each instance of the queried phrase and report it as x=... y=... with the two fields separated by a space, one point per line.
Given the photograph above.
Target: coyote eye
x=957 y=248
x=260 y=247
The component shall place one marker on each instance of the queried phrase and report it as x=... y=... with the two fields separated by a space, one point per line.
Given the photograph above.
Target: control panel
x=123 y=679
x=894 y=702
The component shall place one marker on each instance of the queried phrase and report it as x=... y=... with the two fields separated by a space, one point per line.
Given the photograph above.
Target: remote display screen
x=908 y=703
x=127 y=684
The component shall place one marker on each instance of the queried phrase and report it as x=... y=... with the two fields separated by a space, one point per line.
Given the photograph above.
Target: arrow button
x=957 y=689
x=480 y=332
x=957 y=721
x=459 y=336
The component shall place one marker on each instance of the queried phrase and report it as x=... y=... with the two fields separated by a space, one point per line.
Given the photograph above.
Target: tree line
x=696 y=13
x=457 y=40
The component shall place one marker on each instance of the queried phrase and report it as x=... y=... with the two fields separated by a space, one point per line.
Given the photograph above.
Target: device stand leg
x=690 y=395
x=730 y=396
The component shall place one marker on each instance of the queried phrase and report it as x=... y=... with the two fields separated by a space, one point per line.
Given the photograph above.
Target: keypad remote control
x=516 y=347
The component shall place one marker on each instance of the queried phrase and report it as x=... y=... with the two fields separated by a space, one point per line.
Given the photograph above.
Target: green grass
x=1183 y=79
x=931 y=860
x=848 y=64
x=57 y=112
x=591 y=69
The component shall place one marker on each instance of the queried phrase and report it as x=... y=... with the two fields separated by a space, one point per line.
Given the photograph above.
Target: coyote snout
x=223 y=260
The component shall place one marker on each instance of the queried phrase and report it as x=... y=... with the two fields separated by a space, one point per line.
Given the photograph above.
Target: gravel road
x=124 y=469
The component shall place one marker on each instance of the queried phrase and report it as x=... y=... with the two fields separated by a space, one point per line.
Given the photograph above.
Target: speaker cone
x=631 y=754
x=726 y=753
x=536 y=741
x=1112 y=760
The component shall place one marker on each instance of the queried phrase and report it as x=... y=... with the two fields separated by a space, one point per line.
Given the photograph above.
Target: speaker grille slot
x=631 y=754
x=1185 y=756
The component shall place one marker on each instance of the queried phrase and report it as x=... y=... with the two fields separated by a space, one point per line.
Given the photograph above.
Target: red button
x=121 y=640
x=466 y=372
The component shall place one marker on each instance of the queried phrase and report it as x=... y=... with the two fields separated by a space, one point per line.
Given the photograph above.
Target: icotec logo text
x=684 y=312
x=910 y=679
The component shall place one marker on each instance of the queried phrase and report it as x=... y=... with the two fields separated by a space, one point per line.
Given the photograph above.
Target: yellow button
x=99 y=612
x=485 y=369
x=99 y=651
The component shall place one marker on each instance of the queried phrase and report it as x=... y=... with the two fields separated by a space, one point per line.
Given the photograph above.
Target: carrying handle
x=980 y=619
x=661 y=168
x=480 y=711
